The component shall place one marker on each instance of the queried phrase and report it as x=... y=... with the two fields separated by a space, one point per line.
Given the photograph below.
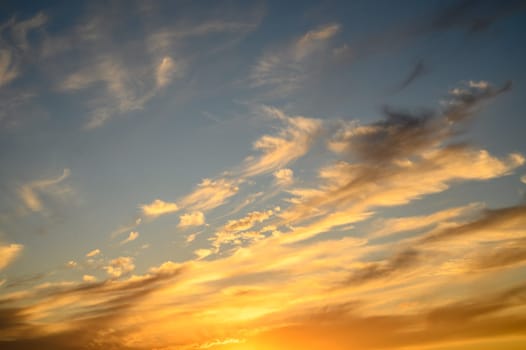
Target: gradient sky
x=257 y=175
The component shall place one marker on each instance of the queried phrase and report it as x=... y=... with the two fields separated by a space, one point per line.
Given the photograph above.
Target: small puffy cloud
x=131 y=237
x=284 y=177
x=231 y=232
x=120 y=266
x=8 y=253
x=71 y=264
x=30 y=192
x=165 y=71
x=93 y=253
x=89 y=278
x=478 y=84
x=248 y=221
x=159 y=207
x=196 y=218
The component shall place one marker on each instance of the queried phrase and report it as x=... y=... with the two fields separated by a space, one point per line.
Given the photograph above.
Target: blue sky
x=327 y=153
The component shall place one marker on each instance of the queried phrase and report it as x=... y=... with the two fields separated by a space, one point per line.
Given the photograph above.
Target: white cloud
x=120 y=266
x=195 y=218
x=93 y=253
x=8 y=253
x=159 y=207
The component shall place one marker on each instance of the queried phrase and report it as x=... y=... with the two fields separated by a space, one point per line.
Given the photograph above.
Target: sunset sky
x=262 y=175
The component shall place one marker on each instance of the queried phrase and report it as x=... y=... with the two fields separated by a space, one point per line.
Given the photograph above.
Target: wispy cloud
x=209 y=194
x=131 y=237
x=93 y=253
x=30 y=193
x=231 y=232
x=416 y=72
x=292 y=142
x=166 y=71
x=8 y=253
x=404 y=224
x=284 y=70
x=16 y=48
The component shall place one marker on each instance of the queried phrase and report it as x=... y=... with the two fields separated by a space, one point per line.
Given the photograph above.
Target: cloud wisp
x=30 y=193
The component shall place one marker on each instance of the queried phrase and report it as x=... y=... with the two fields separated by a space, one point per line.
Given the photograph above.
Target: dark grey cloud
x=470 y=309
x=469 y=319
x=18 y=332
x=511 y=254
x=473 y=16
x=25 y=280
x=402 y=134
x=465 y=100
x=418 y=70
x=489 y=219
x=378 y=270
x=469 y=17
x=489 y=257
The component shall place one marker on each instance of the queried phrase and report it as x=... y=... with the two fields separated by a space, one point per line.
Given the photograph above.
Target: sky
x=257 y=175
